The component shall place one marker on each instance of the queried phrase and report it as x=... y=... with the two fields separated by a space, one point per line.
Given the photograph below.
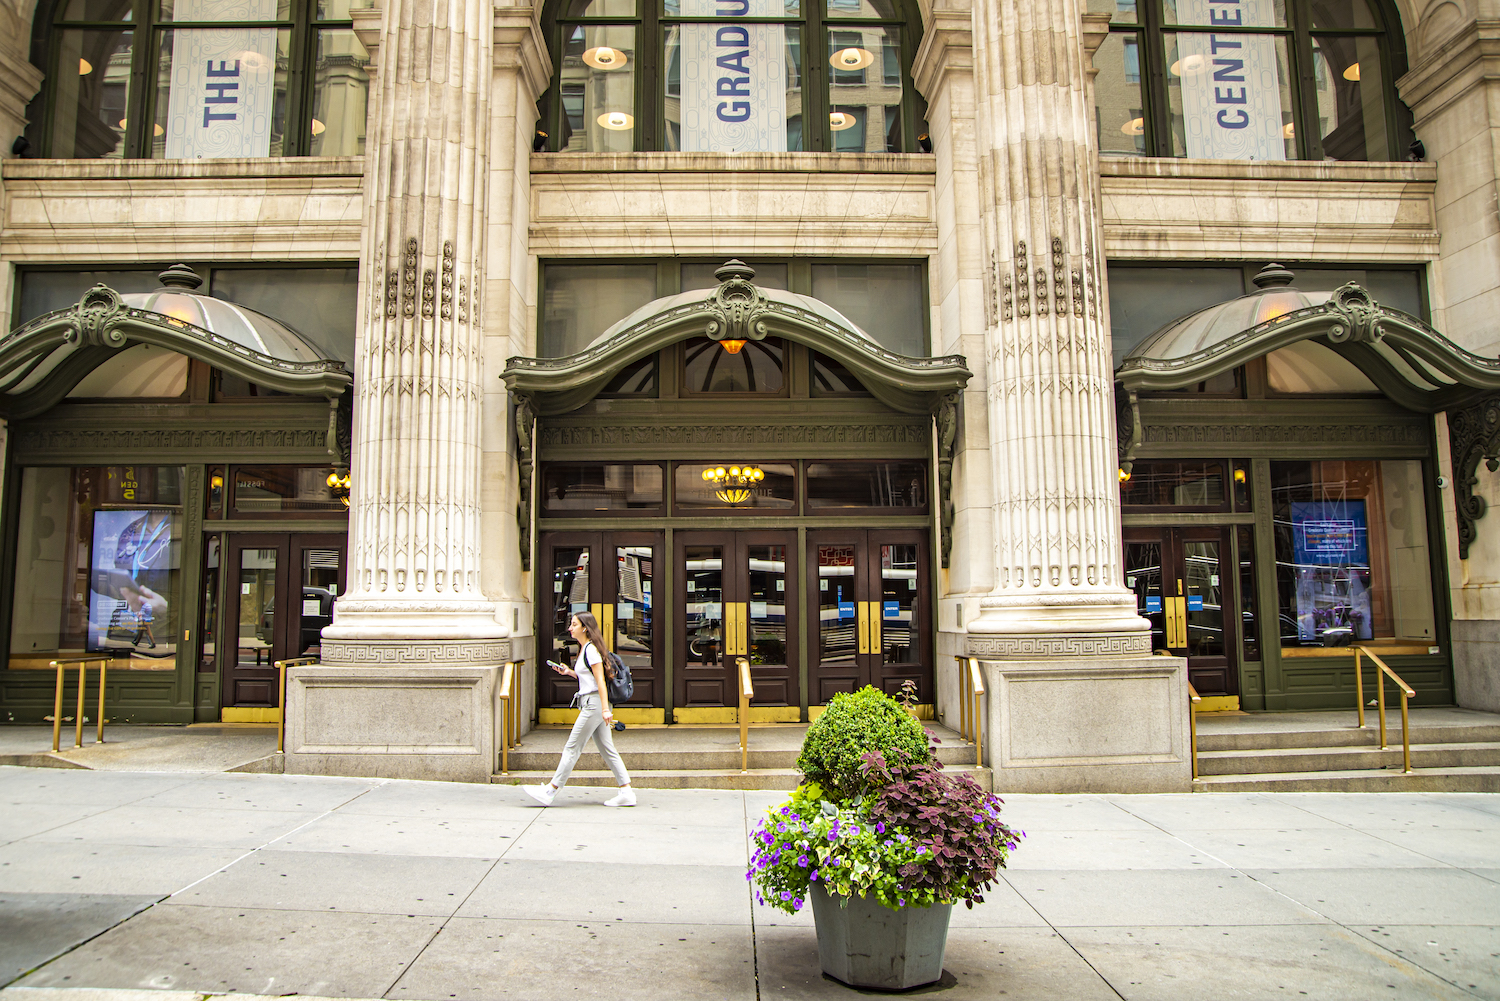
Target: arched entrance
x=731 y=472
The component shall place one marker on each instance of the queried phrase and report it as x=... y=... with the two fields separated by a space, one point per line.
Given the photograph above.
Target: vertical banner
x=733 y=79
x=1331 y=550
x=135 y=555
x=1231 y=93
x=223 y=81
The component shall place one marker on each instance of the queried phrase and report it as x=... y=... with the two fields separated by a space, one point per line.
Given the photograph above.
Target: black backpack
x=621 y=688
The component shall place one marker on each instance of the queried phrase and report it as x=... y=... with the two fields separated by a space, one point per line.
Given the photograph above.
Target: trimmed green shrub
x=855 y=724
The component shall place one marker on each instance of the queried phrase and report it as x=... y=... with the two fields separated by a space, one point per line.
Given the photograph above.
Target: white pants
x=590 y=722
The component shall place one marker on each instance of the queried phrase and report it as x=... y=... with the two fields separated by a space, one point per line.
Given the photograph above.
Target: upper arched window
x=1251 y=80
x=201 y=79
x=731 y=76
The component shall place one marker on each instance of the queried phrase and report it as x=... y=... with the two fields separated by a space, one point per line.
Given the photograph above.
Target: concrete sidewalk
x=114 y=882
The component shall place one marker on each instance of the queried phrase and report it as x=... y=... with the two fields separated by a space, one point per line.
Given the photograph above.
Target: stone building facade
x=956 y=360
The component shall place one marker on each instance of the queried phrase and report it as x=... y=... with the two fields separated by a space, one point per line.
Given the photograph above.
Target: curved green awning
x=42 y=361
x=1407 y=360
x=735 y=309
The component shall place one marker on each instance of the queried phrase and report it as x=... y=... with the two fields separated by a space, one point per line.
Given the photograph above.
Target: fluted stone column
x=1076 y=700
x=408 y=669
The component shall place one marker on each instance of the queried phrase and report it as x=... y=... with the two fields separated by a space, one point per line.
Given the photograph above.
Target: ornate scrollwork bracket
x=1359 y=316
x=1473 y=434
x=947 y=435
x=1128 y=432
x=99 y=313
x=525 y=462
x=735 y=312
x=341 y=428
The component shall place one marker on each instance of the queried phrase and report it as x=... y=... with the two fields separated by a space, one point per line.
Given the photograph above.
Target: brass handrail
x=970 y=689
x=747 y=692
x=1194 y=699
x=1406 y=692
x=281 y=666
x=83 y=663
x=509 y=721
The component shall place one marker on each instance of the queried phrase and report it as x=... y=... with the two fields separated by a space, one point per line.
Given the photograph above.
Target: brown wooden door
x=1186 y=586
x=870 y=611
x=281 y=588
x=612 y=575
x=738 y=598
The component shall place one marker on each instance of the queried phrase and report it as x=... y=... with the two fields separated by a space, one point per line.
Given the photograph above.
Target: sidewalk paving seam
x=1397 y=957
x=477 y=883
x=750 y=899
x=1002 y=875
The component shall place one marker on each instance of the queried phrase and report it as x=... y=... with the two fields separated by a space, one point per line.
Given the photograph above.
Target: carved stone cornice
x=1410 y=435
x=947 y=47
x=243 y=444
x=721 y=435
x=1095 y=31
x=1473 y=434
x=19 y=83
x=367 y=28
x=520 y=45
x=1468 y=58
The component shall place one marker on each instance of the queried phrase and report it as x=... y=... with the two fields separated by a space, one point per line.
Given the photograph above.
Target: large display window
x=1352 y=559
x=99 y=565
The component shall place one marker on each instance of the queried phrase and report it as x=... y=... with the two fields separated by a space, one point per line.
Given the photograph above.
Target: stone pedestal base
x=1088 y=725
x=404 y=721
x=1476 y=679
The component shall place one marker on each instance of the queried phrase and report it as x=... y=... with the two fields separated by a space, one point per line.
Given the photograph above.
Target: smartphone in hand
x=560 y=669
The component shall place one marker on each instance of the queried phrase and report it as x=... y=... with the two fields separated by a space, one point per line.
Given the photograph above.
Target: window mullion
x=1158 y=112
x=816 y=86
x=1304 y=86
x=650 y=80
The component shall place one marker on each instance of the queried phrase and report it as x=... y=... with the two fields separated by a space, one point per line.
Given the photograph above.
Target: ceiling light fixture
x=1134 y=127
x=85 y=67
x=616 y=121
x=733 y=485
x=1352 y=73
x=602 y=57
x=1189 y=65
x=838 y=121
x=851 y=59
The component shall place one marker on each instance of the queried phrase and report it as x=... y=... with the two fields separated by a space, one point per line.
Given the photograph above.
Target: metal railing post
x=747 y=692
x=281 y=666
x=1407 y=692
x=507 y=678
x=1193 y=699
x=57 y=708
x=78 y=719
x=1359 y=686
x=976 y=690
x=103 y=667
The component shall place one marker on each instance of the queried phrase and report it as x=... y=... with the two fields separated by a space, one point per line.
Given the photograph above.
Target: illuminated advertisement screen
x=135 y=555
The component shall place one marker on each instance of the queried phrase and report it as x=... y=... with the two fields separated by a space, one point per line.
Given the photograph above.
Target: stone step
x=1357 y=758
x=1349 y=736
x=699 y=778
x=1364 y=780
x=534 y=754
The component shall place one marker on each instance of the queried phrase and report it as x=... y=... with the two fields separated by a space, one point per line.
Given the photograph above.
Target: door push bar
x=1175 y=613
x=869 y=626
x=736 y=629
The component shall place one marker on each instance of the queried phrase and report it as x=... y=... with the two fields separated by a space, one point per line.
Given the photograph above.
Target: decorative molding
x=550 y=435
x=1128 y=431
x=1058 y=645
x=413 y=652
x=947 y=425
x=36 y=441
x=736 y=310
x=1413 y=434
x=1473 y=434
x=525 y=462
x=1023 y=282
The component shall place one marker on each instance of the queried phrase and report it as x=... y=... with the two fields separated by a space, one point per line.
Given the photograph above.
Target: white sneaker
x=543 y=794
x=625 y=797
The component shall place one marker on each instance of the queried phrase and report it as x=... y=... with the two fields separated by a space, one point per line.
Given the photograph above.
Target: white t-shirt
x=585 y=668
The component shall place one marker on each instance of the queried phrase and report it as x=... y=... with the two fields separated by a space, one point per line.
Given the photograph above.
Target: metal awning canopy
x=1407 y=360
x=42 y=361
x=735 y=309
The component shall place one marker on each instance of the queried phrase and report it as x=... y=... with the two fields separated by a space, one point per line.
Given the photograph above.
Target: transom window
x=731 y=76
x=202 y=79
x=1251 y=80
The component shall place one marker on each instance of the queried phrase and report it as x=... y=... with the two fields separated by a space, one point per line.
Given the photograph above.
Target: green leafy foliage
x=855 y=724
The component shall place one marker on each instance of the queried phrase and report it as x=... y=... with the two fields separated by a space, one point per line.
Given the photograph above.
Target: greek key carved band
x=415 y=653
x=1067 y=645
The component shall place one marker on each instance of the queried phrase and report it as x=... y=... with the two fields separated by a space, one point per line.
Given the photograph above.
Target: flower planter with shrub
x=881 y=842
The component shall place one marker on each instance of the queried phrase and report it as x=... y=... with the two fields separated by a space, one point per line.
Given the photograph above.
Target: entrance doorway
x=1184 y=581
x=870 y=604
x=279 y=595
x=622 y=600
x=739 y=599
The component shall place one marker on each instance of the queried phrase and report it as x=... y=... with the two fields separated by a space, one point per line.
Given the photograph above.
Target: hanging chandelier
x=732 y=485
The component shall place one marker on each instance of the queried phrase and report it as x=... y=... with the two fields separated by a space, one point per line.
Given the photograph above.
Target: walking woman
x=594 y=716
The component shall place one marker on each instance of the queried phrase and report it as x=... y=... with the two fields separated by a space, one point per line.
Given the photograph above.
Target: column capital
x=947 y=46
x=520 y=45
x=1467 y=59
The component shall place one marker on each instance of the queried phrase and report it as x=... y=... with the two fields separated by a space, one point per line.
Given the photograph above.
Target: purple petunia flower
x=813 y=874
x=802 y=861
x=781 y=828
x=768 y=837
x=786 y=895
x=854 y=830
x=879 y=827
x=833 y=835
x=797 y=904
x=785 y=810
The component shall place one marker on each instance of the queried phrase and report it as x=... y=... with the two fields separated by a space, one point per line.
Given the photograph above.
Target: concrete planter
x=870 y=945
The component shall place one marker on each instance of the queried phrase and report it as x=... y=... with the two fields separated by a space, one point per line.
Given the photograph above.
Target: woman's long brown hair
x=591 y=630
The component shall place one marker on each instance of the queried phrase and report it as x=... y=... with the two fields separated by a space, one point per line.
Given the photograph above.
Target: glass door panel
x=702 y=681
x=1182 y=584
x=1143 y=576
x=256 y=610
x=569 y=567
x=1205 y=606
x=257 y=633
x=899 y=624
x=321 y=560
x=768 y=591
x=635 y=622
